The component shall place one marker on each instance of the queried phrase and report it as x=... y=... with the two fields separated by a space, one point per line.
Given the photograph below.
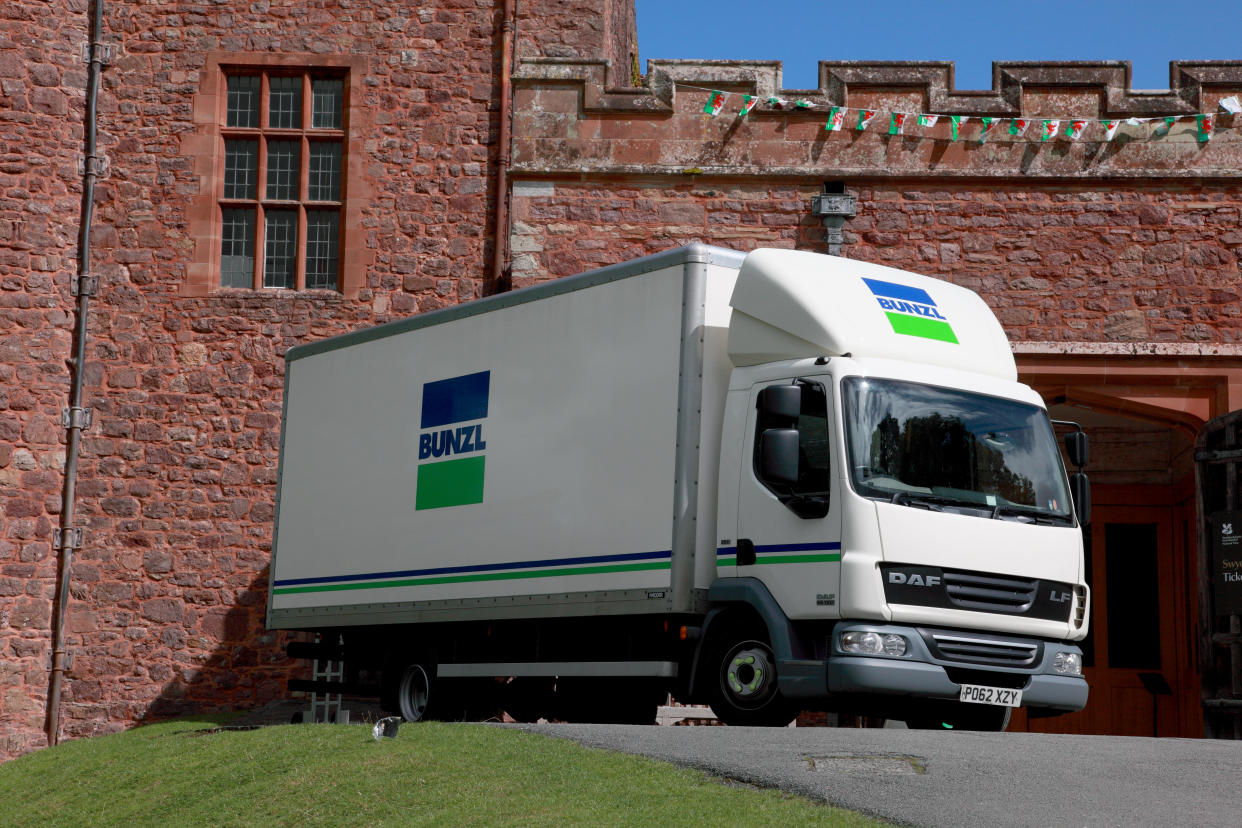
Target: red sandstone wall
x=177 y=472
x=1060 y=263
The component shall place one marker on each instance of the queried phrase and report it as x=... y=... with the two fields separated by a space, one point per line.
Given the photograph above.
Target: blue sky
x=972 y=34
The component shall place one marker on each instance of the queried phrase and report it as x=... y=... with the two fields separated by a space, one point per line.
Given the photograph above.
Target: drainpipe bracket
x=61 y=660
x=83 y=284
x=63 y=539
x=96 y=165
x=103 y=51
x=75 y=417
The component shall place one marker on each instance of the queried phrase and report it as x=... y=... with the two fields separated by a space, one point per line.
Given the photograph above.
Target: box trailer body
x=769 y=481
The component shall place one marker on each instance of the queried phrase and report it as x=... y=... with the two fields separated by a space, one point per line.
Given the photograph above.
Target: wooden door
x=1132 y=655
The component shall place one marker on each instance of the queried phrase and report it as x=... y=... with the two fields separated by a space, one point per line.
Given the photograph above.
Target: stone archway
x=1144 y=411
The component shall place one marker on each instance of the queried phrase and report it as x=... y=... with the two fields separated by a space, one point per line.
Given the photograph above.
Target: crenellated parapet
x=571 y=117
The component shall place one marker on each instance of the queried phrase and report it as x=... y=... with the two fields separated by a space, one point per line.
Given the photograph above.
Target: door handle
x=745 y=552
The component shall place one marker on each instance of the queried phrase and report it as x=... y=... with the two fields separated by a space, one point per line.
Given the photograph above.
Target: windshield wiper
x=1034 y=512
x=931 y=501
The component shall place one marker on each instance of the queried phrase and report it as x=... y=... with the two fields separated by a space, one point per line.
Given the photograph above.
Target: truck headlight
x=1067 y=664
x=870 y=643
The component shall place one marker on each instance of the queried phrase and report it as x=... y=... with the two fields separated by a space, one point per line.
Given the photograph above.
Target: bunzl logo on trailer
x=452 y=439
x=911 y=311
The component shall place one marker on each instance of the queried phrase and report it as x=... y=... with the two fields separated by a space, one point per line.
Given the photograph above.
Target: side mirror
x=782 y=401
x=778 y=456
x=1080 y=491
x=1078 y=448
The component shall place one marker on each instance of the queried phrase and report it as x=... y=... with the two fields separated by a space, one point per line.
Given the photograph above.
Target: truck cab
x=893 y=504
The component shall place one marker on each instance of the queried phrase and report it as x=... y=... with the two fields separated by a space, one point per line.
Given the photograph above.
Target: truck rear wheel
x=745 y=691
x=414 y=693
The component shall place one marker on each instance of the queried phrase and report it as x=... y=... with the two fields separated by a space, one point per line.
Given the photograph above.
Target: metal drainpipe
x=833 y=207
x=75 y=418
x=500 y=247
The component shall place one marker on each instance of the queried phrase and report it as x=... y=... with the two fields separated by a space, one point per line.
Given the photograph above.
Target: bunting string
x=986 y=128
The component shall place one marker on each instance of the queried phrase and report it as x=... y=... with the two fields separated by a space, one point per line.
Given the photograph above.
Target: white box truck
x=770 y=482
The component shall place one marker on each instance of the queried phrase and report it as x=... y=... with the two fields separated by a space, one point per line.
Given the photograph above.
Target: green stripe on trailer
x=830 y=557
x=451 y=483
x=490 y=576
x=919 y=326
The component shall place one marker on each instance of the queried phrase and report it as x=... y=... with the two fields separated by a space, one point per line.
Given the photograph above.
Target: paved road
x=927 y=778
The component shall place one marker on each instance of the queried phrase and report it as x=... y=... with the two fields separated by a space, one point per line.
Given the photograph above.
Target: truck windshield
x=939 y=448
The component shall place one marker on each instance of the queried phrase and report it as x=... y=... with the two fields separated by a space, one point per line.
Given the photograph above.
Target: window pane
x=241 y=169
x=281 y=248
x=322 y=235
x=284 y=161
x=328 y=95
x=324 y=177
x=284 y=103
x=237 y=249
x=243 y=104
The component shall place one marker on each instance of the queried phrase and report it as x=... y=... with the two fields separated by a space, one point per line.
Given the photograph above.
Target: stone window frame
x=205 y=147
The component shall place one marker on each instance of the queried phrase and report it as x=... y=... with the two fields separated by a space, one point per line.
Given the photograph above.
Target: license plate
x=1002 y=696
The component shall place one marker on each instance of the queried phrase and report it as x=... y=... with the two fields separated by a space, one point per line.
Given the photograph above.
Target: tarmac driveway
x=953 y=779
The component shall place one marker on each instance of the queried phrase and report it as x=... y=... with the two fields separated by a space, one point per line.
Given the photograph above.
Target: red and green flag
x=1048 y=128
x=748 y=103
x=1231 y=105
x=802 y=103
x=928 y=120
x=779 y=103
x=1110 y=128
x=988 y=124
x=1206 y=124
x=1017 y=126
x=955 y=124
x=1165 y=125
x=836 y=119
x=715 y=103
x=865 y=116
x=1074 y=128
x=896 y=123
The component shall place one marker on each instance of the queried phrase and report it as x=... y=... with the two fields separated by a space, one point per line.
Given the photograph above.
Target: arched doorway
x=1143 y=412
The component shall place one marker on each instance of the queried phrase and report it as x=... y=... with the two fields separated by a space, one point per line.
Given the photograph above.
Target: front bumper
x=923 y=674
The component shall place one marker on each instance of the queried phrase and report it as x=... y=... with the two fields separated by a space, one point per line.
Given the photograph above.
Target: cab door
x=789 y=519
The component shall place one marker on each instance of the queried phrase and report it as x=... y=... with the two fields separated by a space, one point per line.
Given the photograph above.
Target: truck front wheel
x=745 y=691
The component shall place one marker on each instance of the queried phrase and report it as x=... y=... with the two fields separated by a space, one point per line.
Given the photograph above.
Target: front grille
x=988 y=678
x=990 y=593
x=984 y=650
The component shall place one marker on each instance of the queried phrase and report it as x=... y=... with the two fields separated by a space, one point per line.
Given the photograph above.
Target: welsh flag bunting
x=836 y=119
x=776 y=102
x=1047 y=129
x=802 y=104
x=1206 y=123
x=896 y=123
x=1231 y=105
x=865 y=117
x=1137 y=121
x=1110 y=129
x=1074 y=129
x=715 y=102
x=1163 y=128
x=955 y=124
x=1017 y=126
x=988 y=123
x=928 y=120
x=748 y=103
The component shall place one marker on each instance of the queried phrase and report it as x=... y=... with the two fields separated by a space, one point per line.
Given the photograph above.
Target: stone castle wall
x=1137 y=242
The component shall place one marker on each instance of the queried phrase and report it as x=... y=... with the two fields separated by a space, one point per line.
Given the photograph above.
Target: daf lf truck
x=770 y=481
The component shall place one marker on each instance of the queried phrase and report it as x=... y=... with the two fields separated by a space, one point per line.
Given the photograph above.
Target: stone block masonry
x=1074 y=244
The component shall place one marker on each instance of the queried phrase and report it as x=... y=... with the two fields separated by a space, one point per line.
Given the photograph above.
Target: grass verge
x=181 y=773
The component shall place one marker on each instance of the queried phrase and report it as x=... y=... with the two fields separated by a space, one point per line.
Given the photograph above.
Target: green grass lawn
x=180 y=773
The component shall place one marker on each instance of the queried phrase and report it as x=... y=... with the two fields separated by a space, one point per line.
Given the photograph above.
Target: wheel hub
x=749 y=673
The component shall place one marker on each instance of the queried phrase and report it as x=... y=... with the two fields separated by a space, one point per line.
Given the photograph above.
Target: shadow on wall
x=247 y=667
x=193 y=658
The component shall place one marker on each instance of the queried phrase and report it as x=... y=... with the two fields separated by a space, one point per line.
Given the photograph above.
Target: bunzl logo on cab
x=911 y=311
x=450 y=442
